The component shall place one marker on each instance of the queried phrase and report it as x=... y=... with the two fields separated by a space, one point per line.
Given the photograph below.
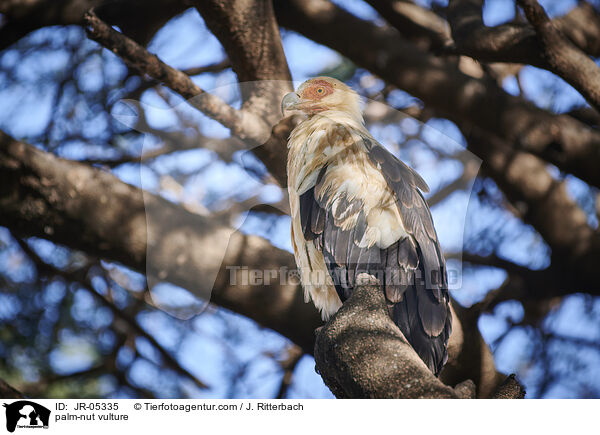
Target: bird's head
x=323 y=94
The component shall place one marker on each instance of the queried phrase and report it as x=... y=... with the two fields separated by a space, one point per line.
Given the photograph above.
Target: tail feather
x=432 y=349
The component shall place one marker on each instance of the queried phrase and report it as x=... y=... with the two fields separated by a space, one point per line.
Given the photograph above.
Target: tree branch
x=8 y=392
x=212 y=68
x=512 y=42
x=294 y=354
x=250 y=36
x=509 y=389
x=81 y=277
x=361 y=353
x=545 y=203
x=517 y=42
x=243 y=124
x=420 y=25
x=465 y=179
x=491 y=260
x=139 y=19
x=564 y=58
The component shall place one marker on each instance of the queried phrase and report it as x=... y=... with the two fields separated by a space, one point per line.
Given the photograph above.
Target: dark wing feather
x=394 y=169
x=322 y=220
x=421 y=310
x=308 y=213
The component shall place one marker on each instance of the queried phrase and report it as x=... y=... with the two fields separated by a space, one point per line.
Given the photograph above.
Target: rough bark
x=509 y=389
x=361 y=353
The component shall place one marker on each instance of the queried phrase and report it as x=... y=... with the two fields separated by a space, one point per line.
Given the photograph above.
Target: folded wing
x=366 y=213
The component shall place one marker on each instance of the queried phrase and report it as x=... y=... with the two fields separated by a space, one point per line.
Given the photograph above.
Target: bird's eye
x=320 y=90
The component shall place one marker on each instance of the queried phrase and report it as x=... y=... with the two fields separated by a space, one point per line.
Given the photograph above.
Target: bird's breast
x=349 y=184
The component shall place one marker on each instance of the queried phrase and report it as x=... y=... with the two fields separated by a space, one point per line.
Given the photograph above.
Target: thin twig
x=242 y=123
x=80 y=276
x=294 y=354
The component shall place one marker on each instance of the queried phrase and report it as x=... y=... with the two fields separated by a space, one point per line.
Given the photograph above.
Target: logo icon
x=26 y=414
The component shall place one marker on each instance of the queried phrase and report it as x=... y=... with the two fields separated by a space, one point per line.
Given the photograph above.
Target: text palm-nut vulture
x=357 y=209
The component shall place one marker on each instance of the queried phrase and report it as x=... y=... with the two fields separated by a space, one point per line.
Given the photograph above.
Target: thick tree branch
x=273 y=153
x=582 y=26
x=587 y=115
x=420 y=25
x=517 y=42
x=361 y=353
x=250 y=36
x=564 y=58
x=512 y=42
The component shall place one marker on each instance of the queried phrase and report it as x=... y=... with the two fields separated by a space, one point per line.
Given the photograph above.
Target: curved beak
x=290 y=102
